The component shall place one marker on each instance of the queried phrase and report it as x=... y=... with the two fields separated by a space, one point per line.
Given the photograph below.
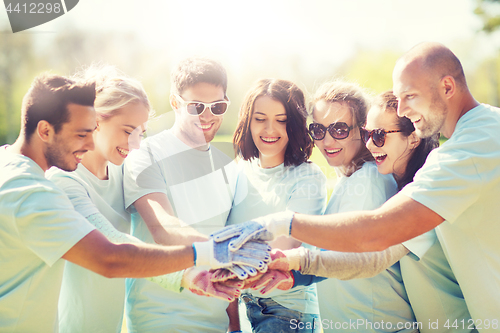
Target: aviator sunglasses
x=197 y=108
x=338 y=130
x=377 y=135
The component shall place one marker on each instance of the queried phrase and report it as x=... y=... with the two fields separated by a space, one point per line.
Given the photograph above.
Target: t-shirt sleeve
x=76 y=193
x=367 y=191
x=48 y=224
x=142 y=174
x=308 y=195
x=448 y=183
x=419 y=245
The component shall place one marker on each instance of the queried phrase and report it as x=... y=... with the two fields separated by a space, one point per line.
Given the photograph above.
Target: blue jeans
x=267 y=316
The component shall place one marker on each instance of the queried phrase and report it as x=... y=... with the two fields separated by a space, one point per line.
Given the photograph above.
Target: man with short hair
x=180 y=189
x=456 y=191
x=39 y=224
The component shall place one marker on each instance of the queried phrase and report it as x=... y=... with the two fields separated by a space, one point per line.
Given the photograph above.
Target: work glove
x=198 y=281
x=218 y=255
x=264 y=228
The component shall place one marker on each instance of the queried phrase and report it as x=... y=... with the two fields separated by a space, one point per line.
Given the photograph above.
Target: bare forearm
x=398 y=220
x=234 y=317
x=145 y=260
x=96 y=253
x=166 y=229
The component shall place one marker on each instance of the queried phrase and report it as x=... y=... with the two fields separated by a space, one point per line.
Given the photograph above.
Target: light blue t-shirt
x=460 y=181
x=366 y=302
x=200 y=187
x=261 y=191
x=39 y=225
x=90 y=302
x=434 y=293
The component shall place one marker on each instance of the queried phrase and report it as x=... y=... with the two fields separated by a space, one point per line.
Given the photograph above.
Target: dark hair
x=355 y=98
x=194 y=70
x=389 y=103
x=48 y=98
x=300 y=145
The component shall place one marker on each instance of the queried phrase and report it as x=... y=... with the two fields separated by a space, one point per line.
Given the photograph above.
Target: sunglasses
x=338 y=131
x=197 y=108
x=377 y=135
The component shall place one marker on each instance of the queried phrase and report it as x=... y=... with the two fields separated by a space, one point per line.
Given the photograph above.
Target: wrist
x=294 y=257
x=202 y=251
x=280 y=223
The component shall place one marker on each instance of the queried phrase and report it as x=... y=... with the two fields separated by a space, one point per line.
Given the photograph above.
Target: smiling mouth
x=269 y=139
x=379 y=157
x=333 y=151
x=79 y=156
x=205 y=127
x=123 y=152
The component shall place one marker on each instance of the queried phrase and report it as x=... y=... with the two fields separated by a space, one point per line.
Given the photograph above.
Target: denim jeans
x=267 y=316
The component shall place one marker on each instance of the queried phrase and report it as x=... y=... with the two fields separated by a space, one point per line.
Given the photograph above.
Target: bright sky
x=323 y=32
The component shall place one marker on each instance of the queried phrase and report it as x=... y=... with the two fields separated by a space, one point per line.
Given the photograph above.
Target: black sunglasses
x=377 y=135
x=338 y=131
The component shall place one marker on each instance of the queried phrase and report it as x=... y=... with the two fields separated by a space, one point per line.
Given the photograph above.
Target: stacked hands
x=240 y=259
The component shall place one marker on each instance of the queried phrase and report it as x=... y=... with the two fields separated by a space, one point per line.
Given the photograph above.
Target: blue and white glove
x=264 y=228
x=218 y=255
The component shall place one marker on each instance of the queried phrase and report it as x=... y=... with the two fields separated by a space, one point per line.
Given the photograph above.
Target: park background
x=307 y=42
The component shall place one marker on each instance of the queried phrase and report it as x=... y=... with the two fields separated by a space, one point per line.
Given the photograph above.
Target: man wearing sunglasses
x=456 y=191
x=179 y=188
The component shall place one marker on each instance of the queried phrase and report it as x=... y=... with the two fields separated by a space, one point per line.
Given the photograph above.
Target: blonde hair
x=357 y=100
x=114 y=90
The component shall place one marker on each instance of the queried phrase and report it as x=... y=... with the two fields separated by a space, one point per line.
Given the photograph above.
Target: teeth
x=123 y=151
x=333 y=151
x=79 y=156
x=379 y=157
x=269 y=139
x=205 y=126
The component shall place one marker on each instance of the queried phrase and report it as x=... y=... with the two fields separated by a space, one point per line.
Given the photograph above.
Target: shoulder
x=65 y=179
x=369 y=177
x=307 y=171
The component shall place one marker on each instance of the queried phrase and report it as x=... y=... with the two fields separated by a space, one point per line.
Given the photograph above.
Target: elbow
x=110 y=264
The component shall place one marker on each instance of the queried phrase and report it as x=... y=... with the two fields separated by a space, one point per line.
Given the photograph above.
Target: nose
x=269 y=127
x=402 y=109
x=134 y=141
x=328 y=139
x=369 y=144
x=206 y=114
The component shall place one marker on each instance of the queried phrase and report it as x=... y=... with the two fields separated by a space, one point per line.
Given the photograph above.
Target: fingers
x=223 y=274
x=242 y=260
x=226 y=233
x=280 y=280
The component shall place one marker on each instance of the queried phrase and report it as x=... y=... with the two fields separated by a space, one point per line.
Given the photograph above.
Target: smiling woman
x=88 y=301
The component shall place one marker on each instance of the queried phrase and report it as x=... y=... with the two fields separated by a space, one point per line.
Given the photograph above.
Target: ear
x=449 y=86
x=414 y=140
x=174 y=103
x=44 y=130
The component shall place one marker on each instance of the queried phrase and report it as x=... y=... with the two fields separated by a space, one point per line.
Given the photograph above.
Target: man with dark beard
x=38 y=223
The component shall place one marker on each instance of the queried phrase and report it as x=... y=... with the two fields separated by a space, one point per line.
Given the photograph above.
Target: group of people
x=405 y=243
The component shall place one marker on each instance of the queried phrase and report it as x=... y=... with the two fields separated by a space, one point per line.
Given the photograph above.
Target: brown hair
x=300 y=145
x=194 y=70
x=48 y=98
x=355 y=98
x=387 y=102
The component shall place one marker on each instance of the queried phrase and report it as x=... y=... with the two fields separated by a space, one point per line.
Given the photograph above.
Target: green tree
x=489 y=12
x=16 y=57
